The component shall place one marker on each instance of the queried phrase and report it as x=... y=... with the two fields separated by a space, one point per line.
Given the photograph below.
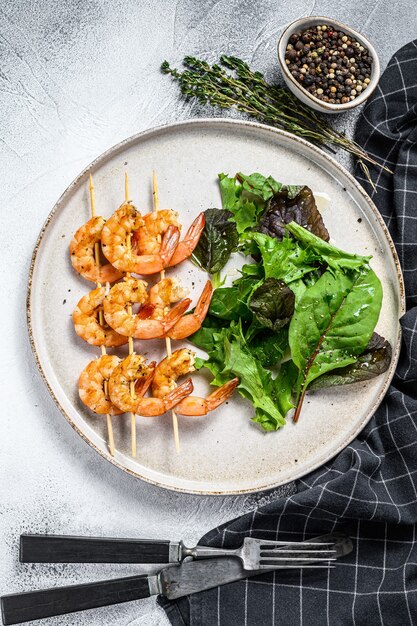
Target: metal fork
x=254 y=554
x=257 y=554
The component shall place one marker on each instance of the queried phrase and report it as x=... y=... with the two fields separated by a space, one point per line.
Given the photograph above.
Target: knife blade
x=173 y=582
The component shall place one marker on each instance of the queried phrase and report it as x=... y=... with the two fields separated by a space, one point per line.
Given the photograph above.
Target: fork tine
x=318 y=566
x=268 y=543
x=279 y=551
x=304 y=559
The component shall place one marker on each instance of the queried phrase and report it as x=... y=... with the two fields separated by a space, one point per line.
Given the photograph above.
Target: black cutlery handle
x=67 y=549
x=23 y=607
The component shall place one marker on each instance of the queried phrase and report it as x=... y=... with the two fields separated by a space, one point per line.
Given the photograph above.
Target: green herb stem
x=248 y=91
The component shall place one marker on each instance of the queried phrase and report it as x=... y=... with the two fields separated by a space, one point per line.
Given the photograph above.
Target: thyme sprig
x=247 y=91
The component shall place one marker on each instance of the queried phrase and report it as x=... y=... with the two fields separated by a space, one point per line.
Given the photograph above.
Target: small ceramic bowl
x=301 y=93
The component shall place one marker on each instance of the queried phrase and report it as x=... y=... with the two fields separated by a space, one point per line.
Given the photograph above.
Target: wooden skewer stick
x=101 y=318
x=132 y=384
x=167 y=339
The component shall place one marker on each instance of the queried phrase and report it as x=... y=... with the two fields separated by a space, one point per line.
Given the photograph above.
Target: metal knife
x=172 y=582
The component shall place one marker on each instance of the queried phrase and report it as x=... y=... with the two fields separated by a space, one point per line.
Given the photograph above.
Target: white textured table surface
x=76 y=78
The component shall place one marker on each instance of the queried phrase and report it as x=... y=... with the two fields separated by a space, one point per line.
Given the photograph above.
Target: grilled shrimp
x=168 y=291
x=189 y=324
x=148 y=238
x=163 y=294
x=179 y=363
x=167 y=372
x=83 y=257
x=92 y=385
x=186 y=247
x=194 y=405
x=117 y=249
x=87 y=325
x=134 y=369
x=133 y=291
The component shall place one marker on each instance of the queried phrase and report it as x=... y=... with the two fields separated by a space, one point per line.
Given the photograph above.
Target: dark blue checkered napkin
x=370 y=489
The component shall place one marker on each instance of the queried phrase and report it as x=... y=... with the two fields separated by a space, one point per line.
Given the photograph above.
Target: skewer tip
x=126 y=187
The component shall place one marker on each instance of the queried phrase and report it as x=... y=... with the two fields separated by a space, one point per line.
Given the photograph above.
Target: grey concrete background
x=75 y=78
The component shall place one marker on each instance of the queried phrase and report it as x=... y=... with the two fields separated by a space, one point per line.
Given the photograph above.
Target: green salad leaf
x=326 y=252
x=301 y=316
x=286 y=259
x=333 y=323
x=229 y=355
x=255 y=384
x=372 y=362
x=268 y=347
x=205 y=338
x=272 y=303
x=246 y=197
x=284 y=385
x=230 y=303
x=217 y=241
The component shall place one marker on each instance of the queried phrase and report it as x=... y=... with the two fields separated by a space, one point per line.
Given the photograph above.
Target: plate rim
x=131 y=140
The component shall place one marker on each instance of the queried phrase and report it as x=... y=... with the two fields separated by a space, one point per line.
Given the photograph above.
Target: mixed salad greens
x=301 y=315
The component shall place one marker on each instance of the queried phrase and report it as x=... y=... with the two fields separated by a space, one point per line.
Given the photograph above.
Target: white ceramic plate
x=222 y=452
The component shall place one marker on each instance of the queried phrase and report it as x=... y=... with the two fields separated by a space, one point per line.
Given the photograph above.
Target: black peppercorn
x=328 y=63
x=291 y=55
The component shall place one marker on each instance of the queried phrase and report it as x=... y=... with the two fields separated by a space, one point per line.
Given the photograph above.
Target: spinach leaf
x=217 y=241
x=230 y=303
x=284 y=208
x=284 y=385
x=372 y=362
x=204 y=337
x=268 y=347
x=272 y=303
x=333 y=323
x=326 y=252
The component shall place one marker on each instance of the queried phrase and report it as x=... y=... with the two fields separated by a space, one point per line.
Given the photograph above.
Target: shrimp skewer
x=179 y=363
x=131 y=348
x=101 y=319
x=117 y=248
x=167 y=339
